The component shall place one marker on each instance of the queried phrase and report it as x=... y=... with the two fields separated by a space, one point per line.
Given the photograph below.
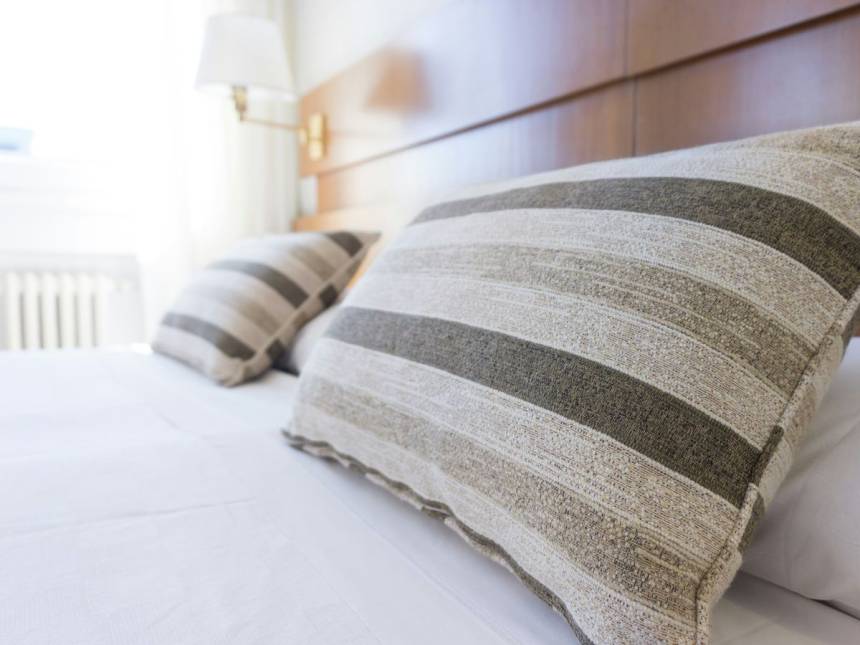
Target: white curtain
x=230 y=180
x=110 y=82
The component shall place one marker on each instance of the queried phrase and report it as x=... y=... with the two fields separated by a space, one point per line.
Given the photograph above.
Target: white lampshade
x=244 y=51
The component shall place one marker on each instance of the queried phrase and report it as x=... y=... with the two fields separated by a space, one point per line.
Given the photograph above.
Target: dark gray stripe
x=347 y=241
x=328 y=296
x=225 y=342
x=443 y=512
x=274 y=350
x=790 y=225
x=289 y=290
x=637 y=414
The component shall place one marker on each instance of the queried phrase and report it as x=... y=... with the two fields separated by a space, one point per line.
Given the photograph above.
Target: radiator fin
x=51 y=310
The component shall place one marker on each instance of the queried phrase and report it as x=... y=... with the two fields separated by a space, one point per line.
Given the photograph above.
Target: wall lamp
x=244 y=57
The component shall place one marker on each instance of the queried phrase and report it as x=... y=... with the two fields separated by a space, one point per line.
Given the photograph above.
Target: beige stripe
x=753 y=271
x=254 y=290
x=233 y=298
x=590 y=600
x=601 y=471
x=662 y=357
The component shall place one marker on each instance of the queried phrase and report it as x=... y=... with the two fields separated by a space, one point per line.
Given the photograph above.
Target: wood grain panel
x=802 y=78
x=661 y=32
x=592 y=126
x=472 y=62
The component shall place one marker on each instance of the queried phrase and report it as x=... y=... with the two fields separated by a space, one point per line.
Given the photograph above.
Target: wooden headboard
x=489 y=89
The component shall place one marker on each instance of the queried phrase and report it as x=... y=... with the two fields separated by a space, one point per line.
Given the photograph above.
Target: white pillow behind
x=809 y=539
x=297 y=354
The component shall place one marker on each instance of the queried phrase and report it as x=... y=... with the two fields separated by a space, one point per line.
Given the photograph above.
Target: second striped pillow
x=238 y=314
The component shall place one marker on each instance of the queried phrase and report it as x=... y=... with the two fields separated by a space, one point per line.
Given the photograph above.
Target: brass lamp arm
x=312 y=136
x=300 y=129
x=273 y=124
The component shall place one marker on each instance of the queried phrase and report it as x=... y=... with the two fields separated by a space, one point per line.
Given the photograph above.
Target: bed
x=142 y=504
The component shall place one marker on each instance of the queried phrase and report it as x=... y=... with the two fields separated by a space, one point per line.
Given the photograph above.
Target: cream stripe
x=251 y=288
x=232 y=297
x=599 y=470
x=662 y=357
x=753 y=271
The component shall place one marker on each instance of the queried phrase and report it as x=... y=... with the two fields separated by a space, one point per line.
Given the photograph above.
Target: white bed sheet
x=139 y=503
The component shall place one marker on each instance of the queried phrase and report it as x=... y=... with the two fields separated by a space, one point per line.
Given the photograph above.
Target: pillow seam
x=240 y=373
x=705 y=592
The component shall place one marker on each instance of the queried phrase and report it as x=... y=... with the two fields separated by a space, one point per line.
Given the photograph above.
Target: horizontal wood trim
x=590 y=127
x=471 y=62
x=663 y=32
x=803 y=78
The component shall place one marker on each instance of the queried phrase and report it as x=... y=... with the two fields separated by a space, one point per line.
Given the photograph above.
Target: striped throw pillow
x=238 y=314
x=599 y=376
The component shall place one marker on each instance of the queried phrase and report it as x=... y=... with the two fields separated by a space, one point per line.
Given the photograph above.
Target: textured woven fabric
x=237 y=315
x=598 y=376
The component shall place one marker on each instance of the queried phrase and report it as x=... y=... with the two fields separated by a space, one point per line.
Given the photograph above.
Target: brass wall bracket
x=313 y=135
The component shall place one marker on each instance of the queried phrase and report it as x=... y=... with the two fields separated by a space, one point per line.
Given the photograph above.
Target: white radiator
x=51 y=302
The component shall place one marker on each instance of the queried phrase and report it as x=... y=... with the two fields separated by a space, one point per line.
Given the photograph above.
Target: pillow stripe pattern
x=598 y=376
x=239 y=313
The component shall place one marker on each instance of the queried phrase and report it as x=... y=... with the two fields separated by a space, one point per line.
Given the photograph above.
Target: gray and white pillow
x=239 y=313
x=599 y=376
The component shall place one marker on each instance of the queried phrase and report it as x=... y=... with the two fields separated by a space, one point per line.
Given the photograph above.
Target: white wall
x=330 y=35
